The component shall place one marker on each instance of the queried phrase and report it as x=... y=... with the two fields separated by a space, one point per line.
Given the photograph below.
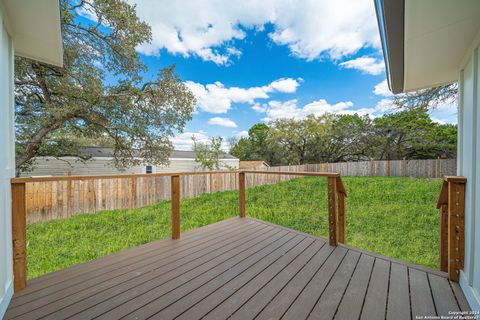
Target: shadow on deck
x=240 y=269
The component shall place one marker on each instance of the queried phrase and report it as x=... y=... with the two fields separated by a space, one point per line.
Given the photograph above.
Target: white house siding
x=49 y=166
x=7 y=165
x=468 y=165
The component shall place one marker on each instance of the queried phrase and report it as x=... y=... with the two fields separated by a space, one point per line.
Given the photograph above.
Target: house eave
x=35 y=29
x=391 y=25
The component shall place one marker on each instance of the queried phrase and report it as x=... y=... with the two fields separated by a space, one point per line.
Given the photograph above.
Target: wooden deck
x=239 y=269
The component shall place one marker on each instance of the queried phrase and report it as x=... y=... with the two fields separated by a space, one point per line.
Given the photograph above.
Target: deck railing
x=451 y=204
x=336 y=204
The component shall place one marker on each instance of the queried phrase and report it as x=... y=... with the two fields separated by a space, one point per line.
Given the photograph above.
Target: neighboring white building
x=100 y=162
x=30 y=28
x=433 y=42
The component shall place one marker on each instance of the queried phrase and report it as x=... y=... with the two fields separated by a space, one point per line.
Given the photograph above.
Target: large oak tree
x=99 y=95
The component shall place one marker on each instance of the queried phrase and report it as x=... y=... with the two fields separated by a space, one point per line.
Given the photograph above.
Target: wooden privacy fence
x=178 y=184
x=430 y=168
x=62 y=197
x=451 y=203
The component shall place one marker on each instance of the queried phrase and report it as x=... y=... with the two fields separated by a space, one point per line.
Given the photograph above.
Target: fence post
x=332 y=211
x=456 y=226
x=175 y=185
x=133 y=188
x=19 y=236
x=241 y=195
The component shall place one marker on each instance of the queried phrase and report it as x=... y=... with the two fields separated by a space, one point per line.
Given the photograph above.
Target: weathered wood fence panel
x=61 y=199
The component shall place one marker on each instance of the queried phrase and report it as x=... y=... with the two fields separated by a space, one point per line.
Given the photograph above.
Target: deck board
x=398 y=306
x=352 y=301
x=239 y=269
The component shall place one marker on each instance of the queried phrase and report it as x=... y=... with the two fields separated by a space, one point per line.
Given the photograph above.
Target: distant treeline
x=408 y=134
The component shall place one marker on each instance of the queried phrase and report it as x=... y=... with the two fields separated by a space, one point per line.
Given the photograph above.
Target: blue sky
x=257 y=61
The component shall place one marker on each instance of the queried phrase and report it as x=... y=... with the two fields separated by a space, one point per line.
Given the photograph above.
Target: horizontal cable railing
x=178 y=185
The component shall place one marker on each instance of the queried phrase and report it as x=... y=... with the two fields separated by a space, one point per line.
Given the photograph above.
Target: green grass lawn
x=393 y=216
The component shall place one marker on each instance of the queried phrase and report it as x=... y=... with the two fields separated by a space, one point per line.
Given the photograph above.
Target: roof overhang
x=35 y=29
x=425 y=42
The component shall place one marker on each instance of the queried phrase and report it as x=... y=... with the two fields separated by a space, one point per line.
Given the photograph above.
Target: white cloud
x=368 y=65
x=287 y=85
x=224 y=122
x=241 y=134
x=216 y=98
x=382 y=89
x=183 y=141
x=290 y=110
x=209 y=28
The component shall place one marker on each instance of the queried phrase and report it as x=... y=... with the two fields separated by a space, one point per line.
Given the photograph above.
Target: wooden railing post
x=19 y=236
x=241 y=195
x=456 y=226
x=332 y=211
x=175 y=185
x=451 y=204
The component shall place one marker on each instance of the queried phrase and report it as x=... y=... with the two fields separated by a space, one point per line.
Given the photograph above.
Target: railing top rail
x=119 y=176
x=296 y=173
x=443 y=197
x=168 y=174
x=460 y=179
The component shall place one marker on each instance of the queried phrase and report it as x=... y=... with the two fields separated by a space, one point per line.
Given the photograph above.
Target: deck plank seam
x=262 y=248
x=366 y=290
x=346 y=286
x=328 y=283
x=385 y=313
x=431 y=294
x=409 y=293
x=455 y=295
x=288 y=264
x=291 y=279
x=300 y=292
x=286 y=284
x=253 y=233
x=240 y=273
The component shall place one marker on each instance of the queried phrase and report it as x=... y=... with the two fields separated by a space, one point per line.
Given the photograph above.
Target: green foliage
x=208 y=154
x=393 y=216
x=409 y=134
x=412 y=134
x=99 y=94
